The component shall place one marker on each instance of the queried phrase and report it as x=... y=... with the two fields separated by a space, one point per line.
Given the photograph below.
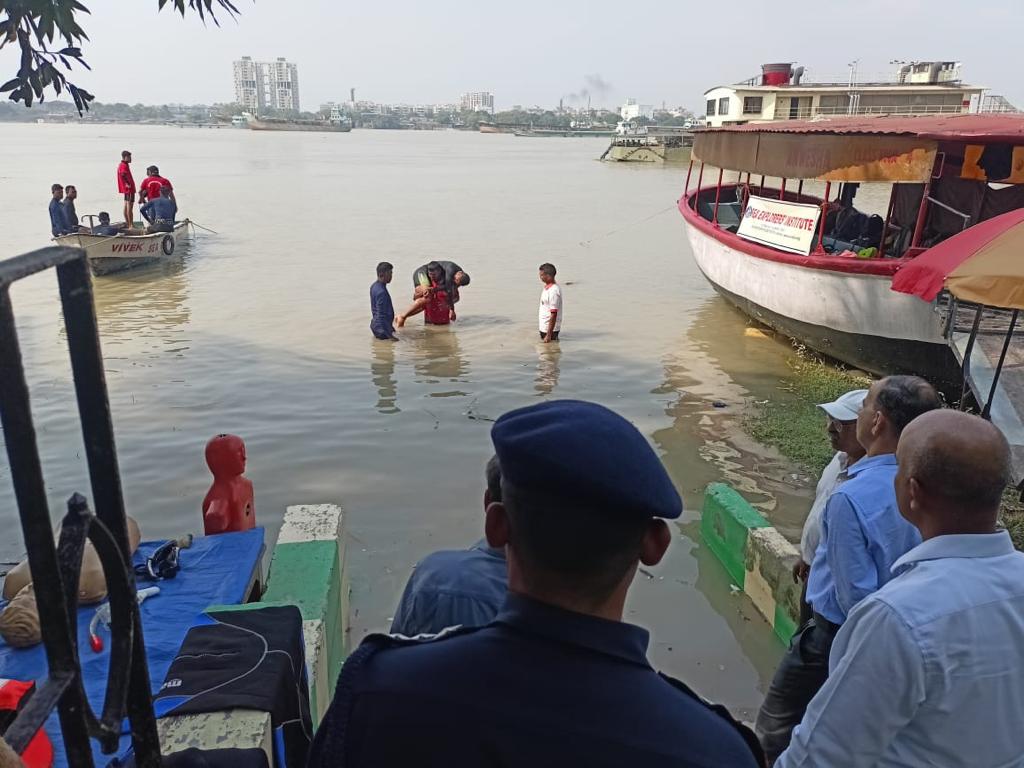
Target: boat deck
x=1007 y=411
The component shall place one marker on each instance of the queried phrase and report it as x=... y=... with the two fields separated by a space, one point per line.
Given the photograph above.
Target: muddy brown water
x=262 y=330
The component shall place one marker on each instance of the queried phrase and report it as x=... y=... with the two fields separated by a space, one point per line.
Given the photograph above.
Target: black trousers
x=801 y=673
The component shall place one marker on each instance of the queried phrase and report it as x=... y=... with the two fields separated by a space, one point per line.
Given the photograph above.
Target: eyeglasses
x=838 y=425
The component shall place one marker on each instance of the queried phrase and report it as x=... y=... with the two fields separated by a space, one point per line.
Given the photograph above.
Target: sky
x=530 y=52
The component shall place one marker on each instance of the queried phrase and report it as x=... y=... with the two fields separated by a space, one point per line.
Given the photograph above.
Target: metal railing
x=55 y=571
x=803 y=113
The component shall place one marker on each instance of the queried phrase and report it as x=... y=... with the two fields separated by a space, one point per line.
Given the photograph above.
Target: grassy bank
x=792 y=422
x=795 y=425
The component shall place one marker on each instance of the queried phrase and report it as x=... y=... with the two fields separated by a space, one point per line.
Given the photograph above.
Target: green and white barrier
x=758 y=559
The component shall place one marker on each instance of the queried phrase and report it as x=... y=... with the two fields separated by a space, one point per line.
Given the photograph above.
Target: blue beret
x=584 y=451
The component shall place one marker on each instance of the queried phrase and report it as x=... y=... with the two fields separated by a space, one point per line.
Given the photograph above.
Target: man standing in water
x=126 y=187
x=550 y=304
x=435 y=292
x=382 y=321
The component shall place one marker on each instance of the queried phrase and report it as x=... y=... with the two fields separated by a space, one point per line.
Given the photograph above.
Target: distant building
x=266 y=84
x=631 y=110
x=482 y=101
x=779 y=93
x=248 y=84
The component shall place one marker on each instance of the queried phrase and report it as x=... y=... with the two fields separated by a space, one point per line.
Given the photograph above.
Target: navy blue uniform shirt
x=382 y=322
x=463 y=587
x=58 y=218
x=539 y=686
x=159 y=209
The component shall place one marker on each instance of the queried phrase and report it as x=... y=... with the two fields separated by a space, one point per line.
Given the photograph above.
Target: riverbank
x=794 y=424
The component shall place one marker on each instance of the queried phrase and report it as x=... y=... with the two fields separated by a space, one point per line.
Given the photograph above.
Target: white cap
x=846 y=407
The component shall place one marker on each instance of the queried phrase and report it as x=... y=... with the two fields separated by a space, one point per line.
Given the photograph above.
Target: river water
x=262 y=330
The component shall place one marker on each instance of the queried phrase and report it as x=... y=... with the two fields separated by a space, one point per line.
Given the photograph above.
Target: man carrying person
x=59 y=224
x=126 y=187
x=841 y=426
x=105 y=228
x=151 y=185
x=862 y=535
x=463 y=587
x=557 y=678
x=382 y=319
x=435 y=292
x=160 y=213
x=927 y=671
x=550 y=304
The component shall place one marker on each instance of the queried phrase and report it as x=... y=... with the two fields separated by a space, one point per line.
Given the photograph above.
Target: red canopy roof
x=926 y=274
x=978 y=129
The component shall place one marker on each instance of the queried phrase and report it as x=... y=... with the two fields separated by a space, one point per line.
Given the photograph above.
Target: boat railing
x=55 y=570
x=783 y=111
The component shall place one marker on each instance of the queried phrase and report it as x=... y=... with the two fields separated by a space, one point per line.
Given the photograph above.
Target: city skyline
x=393 y=54
x=266 y=84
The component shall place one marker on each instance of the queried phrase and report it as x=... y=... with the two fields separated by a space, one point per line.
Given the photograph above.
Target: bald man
x=929 y=670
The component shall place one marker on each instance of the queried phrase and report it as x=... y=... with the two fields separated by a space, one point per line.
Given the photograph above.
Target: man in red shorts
x=126 y=187
x=152 y=184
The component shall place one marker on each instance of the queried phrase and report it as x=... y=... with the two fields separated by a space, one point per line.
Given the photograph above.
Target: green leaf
x=10 y=84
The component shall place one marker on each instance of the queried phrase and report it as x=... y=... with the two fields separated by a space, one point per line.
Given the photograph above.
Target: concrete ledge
x=756 y=556
x=232 y=728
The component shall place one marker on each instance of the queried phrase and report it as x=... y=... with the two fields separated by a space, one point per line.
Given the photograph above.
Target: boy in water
x=383 y=321
x=550 y=304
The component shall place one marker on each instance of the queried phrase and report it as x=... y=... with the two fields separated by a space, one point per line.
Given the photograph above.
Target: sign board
x=787 y=226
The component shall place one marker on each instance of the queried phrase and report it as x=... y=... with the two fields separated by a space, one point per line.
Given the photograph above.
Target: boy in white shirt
x=550 y=304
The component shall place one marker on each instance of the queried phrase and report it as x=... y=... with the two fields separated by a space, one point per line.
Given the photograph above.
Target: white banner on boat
x=786 y=226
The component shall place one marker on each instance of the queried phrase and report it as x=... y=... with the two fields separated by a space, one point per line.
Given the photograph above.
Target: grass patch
x=1011 y=515
x=793 y=423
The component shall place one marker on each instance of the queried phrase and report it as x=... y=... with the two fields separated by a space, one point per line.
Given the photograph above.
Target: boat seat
x=729 y=213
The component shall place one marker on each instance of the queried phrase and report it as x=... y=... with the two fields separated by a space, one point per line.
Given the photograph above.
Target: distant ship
x=334 y=124
x=285 y=124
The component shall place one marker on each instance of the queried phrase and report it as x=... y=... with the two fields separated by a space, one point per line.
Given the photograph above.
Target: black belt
x=820 y=621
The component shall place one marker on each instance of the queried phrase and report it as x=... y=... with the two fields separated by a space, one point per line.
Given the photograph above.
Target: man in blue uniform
x=464 y=587
x=557 y=679
x=59 y=224
x=160 y=212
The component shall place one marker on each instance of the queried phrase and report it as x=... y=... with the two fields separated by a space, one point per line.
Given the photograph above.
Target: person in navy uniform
x=557 y=679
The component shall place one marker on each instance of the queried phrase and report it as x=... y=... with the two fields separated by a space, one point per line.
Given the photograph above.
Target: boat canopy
x=866 y=149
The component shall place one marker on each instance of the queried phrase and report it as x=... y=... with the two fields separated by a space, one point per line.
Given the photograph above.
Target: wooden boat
x=126 y=251
x=767 y=250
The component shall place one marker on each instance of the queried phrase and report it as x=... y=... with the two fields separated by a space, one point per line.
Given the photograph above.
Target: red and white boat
x=816 y=269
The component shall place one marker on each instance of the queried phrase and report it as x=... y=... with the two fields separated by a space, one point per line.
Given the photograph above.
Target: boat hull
x=853 y=317
x=120 y=252
x=261 y=125
x=655 y=153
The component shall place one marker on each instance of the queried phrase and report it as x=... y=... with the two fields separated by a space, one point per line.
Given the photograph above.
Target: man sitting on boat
x=59 y=224
x=152 y=184
x=105 y=228
x=160 y=212
x=435 y=292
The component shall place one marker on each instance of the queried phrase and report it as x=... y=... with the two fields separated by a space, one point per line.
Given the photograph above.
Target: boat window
x=752 y=105
x=711 y=107
x=834 y=103
x=723 y=105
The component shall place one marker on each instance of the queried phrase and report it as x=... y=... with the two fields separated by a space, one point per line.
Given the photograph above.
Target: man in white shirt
x=929 y=670
x=842 y=434
x=550 y=304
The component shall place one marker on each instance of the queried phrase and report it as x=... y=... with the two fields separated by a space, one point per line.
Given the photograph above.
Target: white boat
x=125 y=251
x=778 y=254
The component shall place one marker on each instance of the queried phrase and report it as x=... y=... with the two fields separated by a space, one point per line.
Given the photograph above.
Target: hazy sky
x=530 y=52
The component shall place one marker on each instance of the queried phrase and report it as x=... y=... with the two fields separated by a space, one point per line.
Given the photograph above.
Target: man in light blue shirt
x=463 y=587
x=862 y=535
x=929 y=670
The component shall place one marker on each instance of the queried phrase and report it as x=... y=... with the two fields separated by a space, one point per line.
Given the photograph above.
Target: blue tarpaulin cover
x=216 y=570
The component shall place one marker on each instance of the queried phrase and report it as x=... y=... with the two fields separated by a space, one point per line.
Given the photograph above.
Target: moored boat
x=818 y=270
x=115 y=253
x=651 y=144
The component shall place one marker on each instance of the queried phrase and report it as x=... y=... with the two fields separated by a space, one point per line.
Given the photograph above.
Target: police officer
x=557 y=678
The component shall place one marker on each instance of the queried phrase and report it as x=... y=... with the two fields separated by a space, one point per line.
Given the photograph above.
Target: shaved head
x=953 y=469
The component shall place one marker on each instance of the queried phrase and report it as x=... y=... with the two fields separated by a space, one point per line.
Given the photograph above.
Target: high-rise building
x=248 y=84
x=481 y=101
x=266 y=84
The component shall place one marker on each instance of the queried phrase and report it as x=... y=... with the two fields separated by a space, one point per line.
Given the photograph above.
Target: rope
x=587 y=243
x=207 y=229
